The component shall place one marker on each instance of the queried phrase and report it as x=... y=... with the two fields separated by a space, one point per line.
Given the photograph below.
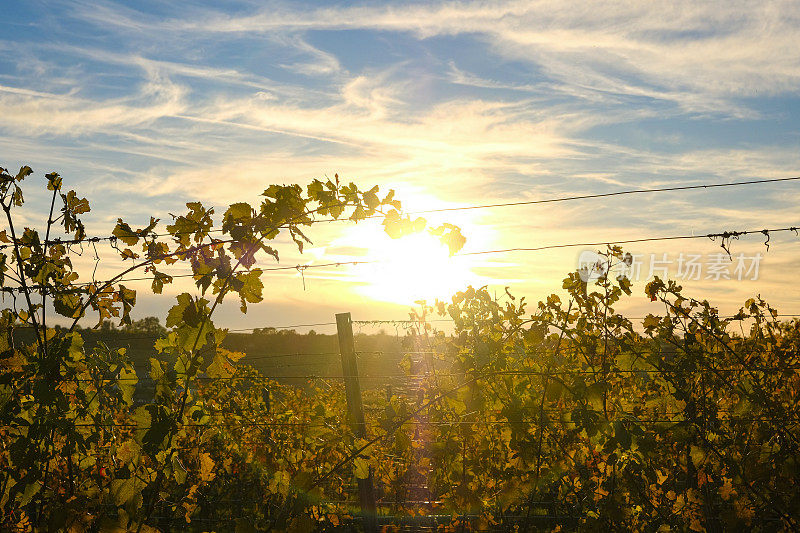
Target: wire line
x=471 y=207
x=712 y=236
x=605 y=195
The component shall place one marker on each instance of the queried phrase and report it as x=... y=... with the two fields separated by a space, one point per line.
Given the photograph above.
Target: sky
x=143 y=106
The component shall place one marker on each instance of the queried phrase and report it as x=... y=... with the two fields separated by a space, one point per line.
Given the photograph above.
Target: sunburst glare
x=415 y=267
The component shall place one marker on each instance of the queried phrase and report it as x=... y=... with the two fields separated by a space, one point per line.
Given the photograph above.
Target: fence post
x=366 y=493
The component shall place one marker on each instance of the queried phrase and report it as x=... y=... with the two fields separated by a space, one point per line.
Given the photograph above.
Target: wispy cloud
x=35 y=112
x=719 y=49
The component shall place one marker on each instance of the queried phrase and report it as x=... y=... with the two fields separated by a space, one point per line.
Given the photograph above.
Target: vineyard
x=559 y=415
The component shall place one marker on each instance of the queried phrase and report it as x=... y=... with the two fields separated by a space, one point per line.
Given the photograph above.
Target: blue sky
x=144 y=106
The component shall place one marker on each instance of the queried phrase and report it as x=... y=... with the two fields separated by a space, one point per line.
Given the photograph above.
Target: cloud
x=719 y=50
x=34 y=112
x=319 y=62
x=458 y=76
x=450 y=150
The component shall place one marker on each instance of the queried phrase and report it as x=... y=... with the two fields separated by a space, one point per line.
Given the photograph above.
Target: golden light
x=415 y=267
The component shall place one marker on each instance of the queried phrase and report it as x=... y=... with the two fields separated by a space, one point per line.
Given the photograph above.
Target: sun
x=412 y=268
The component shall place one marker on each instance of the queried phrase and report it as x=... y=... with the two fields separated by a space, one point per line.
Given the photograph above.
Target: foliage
x=149 y=325
x=566 y=415
x=77 y=453
x=572 y=417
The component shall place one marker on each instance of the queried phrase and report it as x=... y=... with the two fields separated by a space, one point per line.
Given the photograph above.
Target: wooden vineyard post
x=366 y=493
x=267 y=406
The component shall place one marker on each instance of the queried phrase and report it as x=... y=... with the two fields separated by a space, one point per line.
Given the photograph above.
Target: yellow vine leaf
x=206 y=467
